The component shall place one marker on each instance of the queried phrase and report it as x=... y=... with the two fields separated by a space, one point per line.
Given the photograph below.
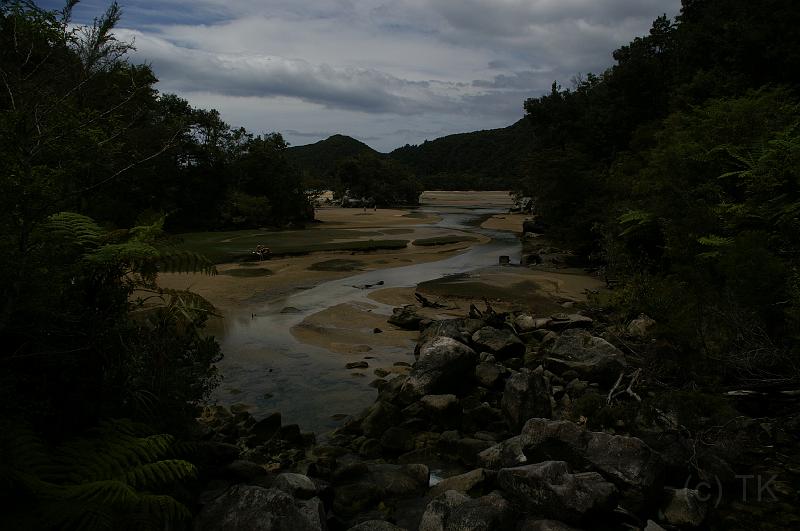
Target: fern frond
x=185 y=262
x=73 y=230
x=160 y=473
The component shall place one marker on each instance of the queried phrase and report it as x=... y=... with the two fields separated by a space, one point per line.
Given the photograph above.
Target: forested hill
x=320 y=158
x=486 y=159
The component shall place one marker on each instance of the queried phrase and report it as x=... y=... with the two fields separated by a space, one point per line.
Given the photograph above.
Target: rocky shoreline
x=504 y=421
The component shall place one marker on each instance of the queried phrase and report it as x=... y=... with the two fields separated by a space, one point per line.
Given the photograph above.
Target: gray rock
x=251 y=508
x=469 y=448
x=684 y=507
x=652 y=526
x=502 y=342
x=626 y=461
x=357 y=365
x=459 y=329
x=406 y=317
x=564 y=321
x=361 y=486
x=526 y=395
x=444 y=366
x=444 y=410
x=376 y=525
x=640 y=327
x=398 y=439
x=297 y=485
x=453 y=511
x=504 y=455
x=378 y=418
x=487 y=374
x=464 y=483
x=550 y=489
x=533 y=524
x=593 y=358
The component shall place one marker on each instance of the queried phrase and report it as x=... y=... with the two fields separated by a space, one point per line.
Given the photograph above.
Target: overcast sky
x=388 y=72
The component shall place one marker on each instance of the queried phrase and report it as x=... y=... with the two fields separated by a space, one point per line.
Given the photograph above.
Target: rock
x=524 y=323
x=370 y=449
x=482 y=416
x=357 y=365
x=563 y=321
x=452 y=511
x=593 y=358
x=377 y=330
x=444 y=410
x=360 y=486
x=243 y=471
x=534 y=524
x=266 y=428
x=502 y=342
x=684 y=507
x=626 y=461
x=297 y=485
x=406 y=317
x=251 y=508
x=504 y=455
x=640 y=327
x=459 y=329
x=218 y=453
x=550 y=489
x=381 y=373
x=526 y=395
x=380 y=417
x=398 y=439
x=376 y=525
x=652 y=526
x=487 y=374
x=444 y=366
x=469 y=448
x=464 y=483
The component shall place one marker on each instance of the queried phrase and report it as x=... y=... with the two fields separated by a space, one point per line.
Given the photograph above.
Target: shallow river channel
x=268 y=369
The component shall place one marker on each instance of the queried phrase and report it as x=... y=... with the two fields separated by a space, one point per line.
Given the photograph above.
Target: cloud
x=385 y=70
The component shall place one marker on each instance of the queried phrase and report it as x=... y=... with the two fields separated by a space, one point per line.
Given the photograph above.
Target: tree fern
x=106 y=480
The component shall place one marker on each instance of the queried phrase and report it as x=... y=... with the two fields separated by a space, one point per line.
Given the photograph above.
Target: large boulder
x=526 y=395
x=360 y=486
x=593 y=358
x=460 y=329
x=252 y=508
x=488 y=373
x=505 y=454
x=626 y=461
x=684 y=507
x=566 y=321
x=453 y=511
x=297 y=485
x=464 y=483
x=378 y=418
x=535 y=524
x=552 y=490
x=444 y=366
x=502 y=342
x=376 y=525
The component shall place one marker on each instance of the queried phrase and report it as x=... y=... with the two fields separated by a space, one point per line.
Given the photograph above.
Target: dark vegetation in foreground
x=676 y=172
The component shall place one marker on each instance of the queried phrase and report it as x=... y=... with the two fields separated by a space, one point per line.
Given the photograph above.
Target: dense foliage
x=493 y=159
x=678 y=169
x=94 y=163
x=375 y=181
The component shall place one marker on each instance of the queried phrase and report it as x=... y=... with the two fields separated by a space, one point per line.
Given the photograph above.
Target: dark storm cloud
x=458 y=64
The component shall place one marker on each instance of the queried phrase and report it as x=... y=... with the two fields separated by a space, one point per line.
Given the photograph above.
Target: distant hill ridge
x=485 y=159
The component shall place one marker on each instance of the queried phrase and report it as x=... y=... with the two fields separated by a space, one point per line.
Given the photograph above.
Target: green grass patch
x=238 y=246
x=442 y=240
x=248 y=272
x=336 y=265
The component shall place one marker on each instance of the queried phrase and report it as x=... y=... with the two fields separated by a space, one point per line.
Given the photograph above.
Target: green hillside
x=319 y=159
